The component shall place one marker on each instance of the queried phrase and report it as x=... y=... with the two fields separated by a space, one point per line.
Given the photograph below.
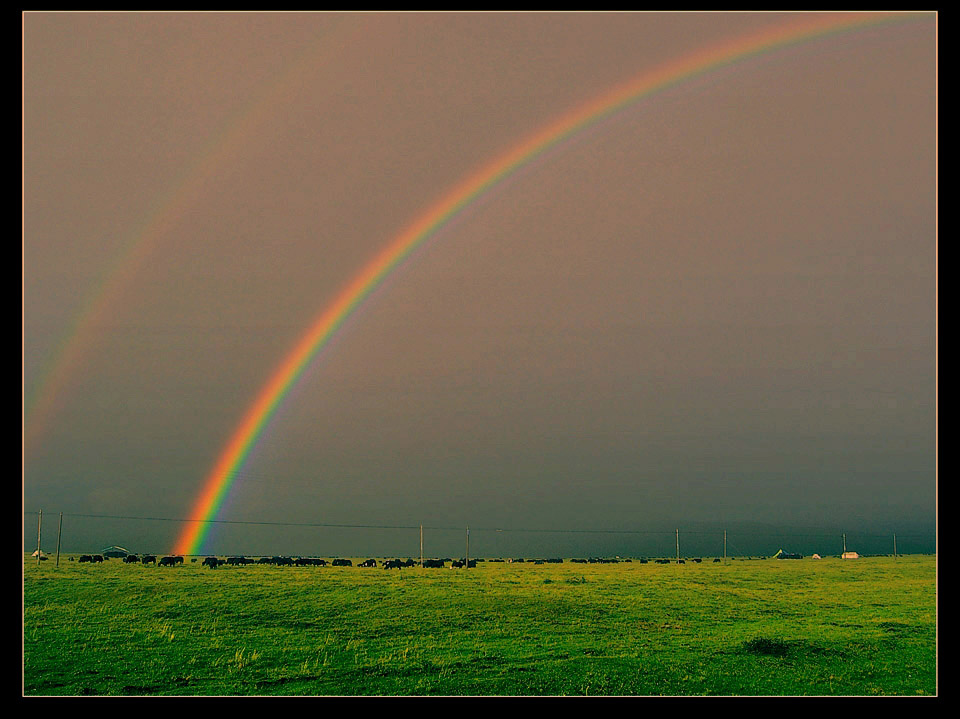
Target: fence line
x=655 y=546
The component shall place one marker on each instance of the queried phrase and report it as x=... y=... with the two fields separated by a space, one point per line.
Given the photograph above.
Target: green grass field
x=746 y=627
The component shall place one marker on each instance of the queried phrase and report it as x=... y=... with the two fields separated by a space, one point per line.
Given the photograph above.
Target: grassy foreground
x=759 y=627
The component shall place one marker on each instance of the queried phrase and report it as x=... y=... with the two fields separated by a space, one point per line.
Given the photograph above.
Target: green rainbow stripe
x=218 y=483
x=167 y=209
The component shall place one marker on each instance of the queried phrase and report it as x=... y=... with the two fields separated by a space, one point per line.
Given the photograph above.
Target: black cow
x=86 y=558
x=131 y=558
x=393 y=564
x=239 y=560
x=148 y=559
x=213 y=562
x=433 y=563
x=716 y=559
x=681 y=561
x=342 y=563
x=282 y=561
x=265 y=560
x=368 y=563
x=170 y=561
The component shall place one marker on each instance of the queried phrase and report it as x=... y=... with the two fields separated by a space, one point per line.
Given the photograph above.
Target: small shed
x=115 y=552
x=849 y=555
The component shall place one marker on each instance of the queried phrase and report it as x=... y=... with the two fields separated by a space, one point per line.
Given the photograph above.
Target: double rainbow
x=217 y=486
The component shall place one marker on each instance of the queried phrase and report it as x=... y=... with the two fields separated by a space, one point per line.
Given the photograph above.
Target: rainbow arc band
x=49 y=393
x=218 y=483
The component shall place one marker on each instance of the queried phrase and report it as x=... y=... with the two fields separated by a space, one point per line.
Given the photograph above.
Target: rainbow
x=233 y=456
x=41 y=403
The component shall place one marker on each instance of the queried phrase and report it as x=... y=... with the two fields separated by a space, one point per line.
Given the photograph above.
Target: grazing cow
x=392 y=564
x=282 y=561
x=716 y=559
x=131 y=558
x=98 y=558
x=86 y=558
x=698 y=560
x=368 y=563
x=264 y=560
x=238 y=560
x=148 y=559
x=213 y=562
x=579 y=561
x=170 y=561
x=681 y=561
x=461 y=563
x=433 y=563
x=342 y=563
x=663 y=561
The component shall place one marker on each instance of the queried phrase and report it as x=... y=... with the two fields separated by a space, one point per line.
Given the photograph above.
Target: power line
x=515 y=530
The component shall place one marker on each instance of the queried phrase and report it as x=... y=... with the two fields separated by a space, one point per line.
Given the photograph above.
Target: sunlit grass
x=743 y=628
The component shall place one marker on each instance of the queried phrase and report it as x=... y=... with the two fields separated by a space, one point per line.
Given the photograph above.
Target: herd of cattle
x=214 y=562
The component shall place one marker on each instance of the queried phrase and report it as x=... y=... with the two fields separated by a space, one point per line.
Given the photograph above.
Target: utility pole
x=724 y=546
x=894 y=545
x=60 y=531
x=39 y=522
x=844 y=542
x=421 y=546
x=467 y=565
x=678 y=546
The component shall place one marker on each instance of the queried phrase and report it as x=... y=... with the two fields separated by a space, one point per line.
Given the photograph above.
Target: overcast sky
x=717 y=306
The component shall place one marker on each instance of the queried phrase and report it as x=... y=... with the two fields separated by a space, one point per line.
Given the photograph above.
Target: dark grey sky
x=718 y=306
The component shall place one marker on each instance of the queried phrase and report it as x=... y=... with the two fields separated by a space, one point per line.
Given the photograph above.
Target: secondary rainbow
x=218 y=483
x=192 y=182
